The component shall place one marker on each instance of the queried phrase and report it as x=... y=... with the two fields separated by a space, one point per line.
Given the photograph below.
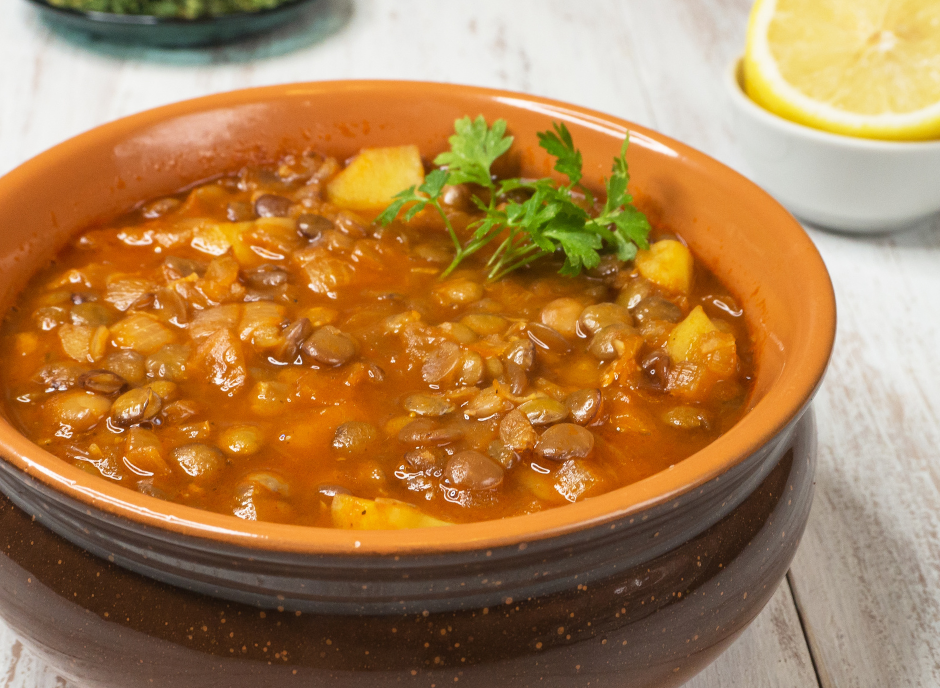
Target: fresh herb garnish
x=553 y=216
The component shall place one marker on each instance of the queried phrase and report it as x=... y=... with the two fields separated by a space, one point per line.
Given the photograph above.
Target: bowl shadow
x=923 y=233
x=916 y=239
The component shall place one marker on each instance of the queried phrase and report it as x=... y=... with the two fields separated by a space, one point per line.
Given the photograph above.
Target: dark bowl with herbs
x=170 y=23
x=650 y=580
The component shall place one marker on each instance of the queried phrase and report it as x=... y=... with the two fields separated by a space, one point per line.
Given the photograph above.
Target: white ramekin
x=837 y=182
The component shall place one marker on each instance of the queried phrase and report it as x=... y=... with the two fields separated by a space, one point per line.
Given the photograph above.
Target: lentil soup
x=259 y=346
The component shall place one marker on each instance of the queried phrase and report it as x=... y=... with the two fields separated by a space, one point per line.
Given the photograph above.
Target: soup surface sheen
x=255 y=347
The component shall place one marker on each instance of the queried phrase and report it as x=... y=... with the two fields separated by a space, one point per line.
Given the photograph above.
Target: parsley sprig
x=553 y=217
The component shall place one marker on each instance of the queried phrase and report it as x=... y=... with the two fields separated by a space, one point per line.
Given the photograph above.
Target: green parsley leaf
x=427 y=194
x=617 y=184
x=473 y=150
x=633 y=226
x=551 y=217
x=558 y=143
x=581 y=248
x=392 y=211
x=434 y=183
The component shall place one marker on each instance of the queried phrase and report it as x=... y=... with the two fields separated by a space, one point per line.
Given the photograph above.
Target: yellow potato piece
x=371 y=181
x=668 y=263
x=144 y=451
x=212 y=238
x=381 y=514
x=684 y=340
x=575 y=479
x=222 y=361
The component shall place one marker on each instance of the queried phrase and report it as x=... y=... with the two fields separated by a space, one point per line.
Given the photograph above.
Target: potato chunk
x=696 y=339
x=701 y=354
x=375 y=176
x=381 y=514
x=221 y=357
x=143 y=453
x=213 y=238
x=682 y=343
x=575 y=479
x=669 y=264
x=261 y=324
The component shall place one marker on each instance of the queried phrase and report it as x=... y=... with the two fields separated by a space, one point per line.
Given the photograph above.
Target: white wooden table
x=861 y=607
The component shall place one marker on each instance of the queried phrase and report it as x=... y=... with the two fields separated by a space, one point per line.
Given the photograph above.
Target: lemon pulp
x=866 y=68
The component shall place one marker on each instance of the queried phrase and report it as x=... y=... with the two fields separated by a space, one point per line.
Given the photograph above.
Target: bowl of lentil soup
x=269 y=429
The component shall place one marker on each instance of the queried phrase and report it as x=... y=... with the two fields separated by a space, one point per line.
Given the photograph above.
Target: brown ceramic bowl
x=652 y=624
x=570 y=567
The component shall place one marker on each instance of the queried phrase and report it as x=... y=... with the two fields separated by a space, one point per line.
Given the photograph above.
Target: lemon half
x=867 y=68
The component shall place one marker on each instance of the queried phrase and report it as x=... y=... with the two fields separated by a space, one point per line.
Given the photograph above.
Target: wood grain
x=771 y=652
x=868 y=573
x=867 y=577
x=21 y=668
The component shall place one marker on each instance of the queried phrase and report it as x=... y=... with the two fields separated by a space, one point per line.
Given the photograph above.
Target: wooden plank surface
x=771 y=652
x=21 y=668
x=868 y=572
x=867 y=577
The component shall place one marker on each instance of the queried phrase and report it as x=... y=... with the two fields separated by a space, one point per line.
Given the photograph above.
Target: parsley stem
x=478 y=243
x=501 y=248
x=497 y=274
x=507 y=253
x=448 y=225
x=461 y=252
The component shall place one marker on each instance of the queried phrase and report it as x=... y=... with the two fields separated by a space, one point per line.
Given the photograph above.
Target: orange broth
x=180 y=325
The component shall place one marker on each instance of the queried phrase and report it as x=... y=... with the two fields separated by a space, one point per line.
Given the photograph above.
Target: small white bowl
x=837 y=182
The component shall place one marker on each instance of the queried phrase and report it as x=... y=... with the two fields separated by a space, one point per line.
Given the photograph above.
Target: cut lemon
x=866 y=68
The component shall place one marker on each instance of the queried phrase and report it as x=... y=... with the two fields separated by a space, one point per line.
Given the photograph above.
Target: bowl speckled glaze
x=631 y=577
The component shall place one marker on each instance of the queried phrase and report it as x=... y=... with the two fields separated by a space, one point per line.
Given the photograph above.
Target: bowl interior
x=736 y=229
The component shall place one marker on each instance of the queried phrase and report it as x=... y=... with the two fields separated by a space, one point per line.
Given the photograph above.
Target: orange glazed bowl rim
x=801 y=360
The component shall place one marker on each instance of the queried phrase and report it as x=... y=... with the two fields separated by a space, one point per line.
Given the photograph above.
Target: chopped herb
x=550 y=219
